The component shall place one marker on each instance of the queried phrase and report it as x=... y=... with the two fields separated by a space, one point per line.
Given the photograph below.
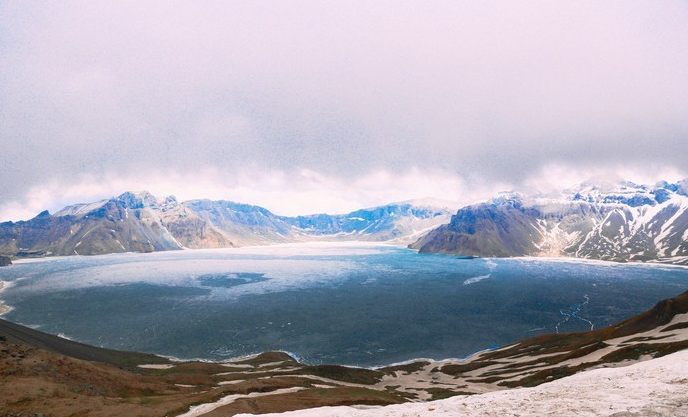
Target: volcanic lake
x=347 y=303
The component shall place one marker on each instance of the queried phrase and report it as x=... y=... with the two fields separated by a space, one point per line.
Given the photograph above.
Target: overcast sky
x=328 y=106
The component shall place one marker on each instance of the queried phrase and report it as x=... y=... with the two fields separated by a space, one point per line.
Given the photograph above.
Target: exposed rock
x=5 y=260
x=109 y=227
x=496 y=230
x=140 y=200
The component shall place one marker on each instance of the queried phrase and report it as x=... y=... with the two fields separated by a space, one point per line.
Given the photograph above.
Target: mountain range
x=616 y=221
x=139 y=222
x=607 y=220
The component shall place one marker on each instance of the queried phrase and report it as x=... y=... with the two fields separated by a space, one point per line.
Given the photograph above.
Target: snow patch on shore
x=156 y=366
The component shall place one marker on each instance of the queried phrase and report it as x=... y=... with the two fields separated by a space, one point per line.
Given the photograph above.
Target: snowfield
x=653 y=388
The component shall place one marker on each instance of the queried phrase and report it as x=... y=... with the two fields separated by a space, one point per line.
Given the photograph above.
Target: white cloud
x=559 y=177
x=307 y=191
x=116 y=94
x=302 y=192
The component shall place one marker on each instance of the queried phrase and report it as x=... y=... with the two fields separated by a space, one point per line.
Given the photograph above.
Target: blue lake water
x=356 y=304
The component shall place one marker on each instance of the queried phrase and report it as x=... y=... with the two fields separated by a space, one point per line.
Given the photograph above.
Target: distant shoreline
x=679 y=261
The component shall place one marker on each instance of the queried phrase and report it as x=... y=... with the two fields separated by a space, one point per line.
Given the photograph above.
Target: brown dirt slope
x=551 y=356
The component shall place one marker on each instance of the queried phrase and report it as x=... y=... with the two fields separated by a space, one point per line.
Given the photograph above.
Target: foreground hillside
x=618 y=221
x=139 y=222
x=656 y=388
x=56 y=377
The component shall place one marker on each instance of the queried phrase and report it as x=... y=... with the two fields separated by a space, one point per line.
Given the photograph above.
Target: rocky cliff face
x=620 y=221
x=138 y=222
x=499 y=230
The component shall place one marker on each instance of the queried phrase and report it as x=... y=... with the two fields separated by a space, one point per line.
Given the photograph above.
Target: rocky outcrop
x=5 y=260
x=116 y=225
x=496 y=230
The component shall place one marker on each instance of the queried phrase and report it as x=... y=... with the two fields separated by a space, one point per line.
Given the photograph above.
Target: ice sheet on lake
x=284 y=267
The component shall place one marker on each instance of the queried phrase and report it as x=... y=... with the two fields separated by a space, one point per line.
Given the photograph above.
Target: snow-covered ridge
x=616 y=220
x=81 y=209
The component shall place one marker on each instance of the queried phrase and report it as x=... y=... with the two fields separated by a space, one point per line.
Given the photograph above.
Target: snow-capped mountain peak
x=615 y=220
